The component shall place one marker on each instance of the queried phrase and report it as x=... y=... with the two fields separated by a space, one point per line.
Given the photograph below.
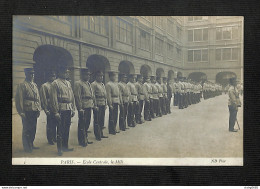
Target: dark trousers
x=132 y=109
x=83 y=126
x=168 y=105
x=180 y=101
x=29 y=130
x=176 y=99
x=51 y=128
x=156 y=106
x=122 y=116
x=164 y=104
x=147 y=115
x=160 y=106
x=99 y=118
x=113 y=114
x=152 y=111
x=232 y=117
x=63 y=130
x=138 y=115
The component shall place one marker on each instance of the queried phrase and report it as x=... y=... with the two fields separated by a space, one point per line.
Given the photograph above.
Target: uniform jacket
x=45 y=96
x=147 y=91
x=100 y=93
x=154 y=91
x=160 y=89
x=61 y=96
x=113 y=93
x=124 y=91
x=234 y=100
x=27 y=97
x=140 y=90
x=84 y=95
x=133 y=92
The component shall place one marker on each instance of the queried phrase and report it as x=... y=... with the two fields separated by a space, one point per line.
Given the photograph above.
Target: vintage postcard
x=128 y=90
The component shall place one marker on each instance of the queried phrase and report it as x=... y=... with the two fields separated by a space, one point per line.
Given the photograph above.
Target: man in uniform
x=133 y=101
x=147 y=95
x=169 y=97
x=28 y=106
x=45 y=99
x=165 y=99
x=233 y=103
x=85 y=102
x=125 y=98
x=114 y=100
x=100 y=94
x=140 y=90
x=160 y=95
x=62 y=105
x=155 y=98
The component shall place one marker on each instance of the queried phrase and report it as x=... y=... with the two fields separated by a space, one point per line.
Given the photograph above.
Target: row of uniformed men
x=186 y=93
x=59 y=101
x=211 y=90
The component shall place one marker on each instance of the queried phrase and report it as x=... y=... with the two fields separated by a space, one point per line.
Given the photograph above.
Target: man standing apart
x=233 y=103
x=114 y=99
x=62 y=105
x=28 y=106
x=100 y=95
x=45 y=99
x=85 y=101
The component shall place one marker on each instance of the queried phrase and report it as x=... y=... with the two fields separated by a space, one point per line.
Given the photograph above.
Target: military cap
x=50 y=73
x=158 y=77
x=139 y=75
x=110 y=73
x=232 y=79
x=123 y=75
x=62 y=68
x=132 y=75
x=99 y=73
x=85 y=70
x=28 y=70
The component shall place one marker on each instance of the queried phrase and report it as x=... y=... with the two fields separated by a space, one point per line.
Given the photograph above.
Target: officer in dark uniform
x=45 y=100
x=114 y=100
x=28 y=106
x=85 y=102
x=62 y=105
x=233 y=103
x=140 y=90
x=160 y=95
x=100 y=94
x=125 y=98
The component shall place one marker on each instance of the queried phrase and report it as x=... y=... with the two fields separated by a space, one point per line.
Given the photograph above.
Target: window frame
x=231 y=54
x=202 y=34
x=122 y=33
x=231 y=34
x=201 y=55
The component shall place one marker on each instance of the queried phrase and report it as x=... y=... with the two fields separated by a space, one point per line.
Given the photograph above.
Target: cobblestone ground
x=201 y=130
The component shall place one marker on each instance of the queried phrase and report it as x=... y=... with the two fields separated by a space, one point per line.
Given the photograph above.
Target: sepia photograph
x=127 y=90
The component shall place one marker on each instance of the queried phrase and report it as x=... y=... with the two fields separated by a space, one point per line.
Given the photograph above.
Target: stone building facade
x=195 y=47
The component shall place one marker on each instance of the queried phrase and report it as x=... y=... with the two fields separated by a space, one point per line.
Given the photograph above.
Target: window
x=227 y=54
x=144 y=40
x=124 y=31
x=158 y=46
x=170 y=27
x=170 y=50
x=226 y=33
x=159 y=21
x=198 y=55
x=178 y=32
x=197 y=18
x=179 y=53
x=95 y=24
x=198 y=35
